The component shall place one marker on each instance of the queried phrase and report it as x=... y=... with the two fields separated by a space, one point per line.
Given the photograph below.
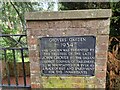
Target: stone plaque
x=67 y=56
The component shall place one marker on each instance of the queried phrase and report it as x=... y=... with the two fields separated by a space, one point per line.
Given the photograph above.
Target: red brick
x=101 y=54
x=32 y=47
x=56 y=32
x=77 y=31
x=101 y=61
x=32 y=41
x=93 y=23
x=68 y=28
x=100 y=74
x=78 y=23
x=35 y=59
x=34 y=53
x=37 y=25
x=41 y=32
x=101 y=39
x=34 y=65
x=63 y=24
x=101 y=68
x=93 y=31
x=36 y=86
x=103 y=47
x=103 y=30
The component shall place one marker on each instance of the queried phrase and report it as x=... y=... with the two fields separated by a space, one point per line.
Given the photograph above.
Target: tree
x=115 y=6
x=13 y=20
x=115 y=20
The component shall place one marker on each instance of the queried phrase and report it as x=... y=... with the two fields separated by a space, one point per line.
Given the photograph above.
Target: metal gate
x=14 y=53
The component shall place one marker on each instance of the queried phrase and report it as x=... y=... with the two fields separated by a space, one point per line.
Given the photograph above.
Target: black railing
x=14 y=54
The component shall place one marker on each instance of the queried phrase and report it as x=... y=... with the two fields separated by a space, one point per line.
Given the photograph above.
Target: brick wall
x=50 y=24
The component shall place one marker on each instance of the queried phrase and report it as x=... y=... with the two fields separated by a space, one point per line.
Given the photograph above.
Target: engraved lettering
x=70 y=55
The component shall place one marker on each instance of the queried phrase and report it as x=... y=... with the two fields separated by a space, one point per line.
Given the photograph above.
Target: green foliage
x=84 y=5
x=115 y=20
x=13 y=22
x=13 y=17
x=10 y=58
x=115 y=6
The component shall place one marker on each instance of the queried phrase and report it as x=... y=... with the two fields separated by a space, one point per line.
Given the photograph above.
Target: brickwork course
x=93 y=22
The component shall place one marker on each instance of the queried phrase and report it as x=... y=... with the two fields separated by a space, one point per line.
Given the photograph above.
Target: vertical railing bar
x=23 y=65
x=15 y=67
x=7 y=68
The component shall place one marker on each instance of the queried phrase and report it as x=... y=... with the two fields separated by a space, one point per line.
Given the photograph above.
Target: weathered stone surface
x=69 y=23
x=75 y=14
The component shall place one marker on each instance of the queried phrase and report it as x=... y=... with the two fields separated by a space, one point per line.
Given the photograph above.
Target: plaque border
x=64 y=75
